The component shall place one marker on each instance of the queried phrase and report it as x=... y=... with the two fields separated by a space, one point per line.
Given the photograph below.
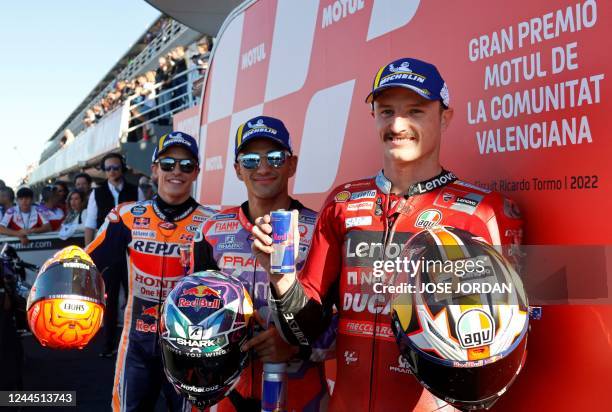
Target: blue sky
x=51 y=55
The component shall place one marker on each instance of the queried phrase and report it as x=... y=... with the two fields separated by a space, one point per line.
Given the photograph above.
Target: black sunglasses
x=167 y=164
x=112 y=167
x=275 y=158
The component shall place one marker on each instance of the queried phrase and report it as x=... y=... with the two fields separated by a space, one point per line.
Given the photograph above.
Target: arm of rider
x=269 y=345
x=262 y=249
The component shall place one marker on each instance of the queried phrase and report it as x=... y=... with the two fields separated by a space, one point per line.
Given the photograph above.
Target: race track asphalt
x=78 y=370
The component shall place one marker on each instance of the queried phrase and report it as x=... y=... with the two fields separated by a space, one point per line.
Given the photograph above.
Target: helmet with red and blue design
x=204 y=321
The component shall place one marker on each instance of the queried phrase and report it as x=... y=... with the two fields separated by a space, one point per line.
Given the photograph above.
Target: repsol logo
x=156 y=248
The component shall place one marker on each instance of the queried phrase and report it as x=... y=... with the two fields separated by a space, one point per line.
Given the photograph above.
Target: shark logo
x=403 y=68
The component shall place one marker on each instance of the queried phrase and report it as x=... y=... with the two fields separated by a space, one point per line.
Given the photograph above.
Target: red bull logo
x=203 y=295
x=202 y=291
x=152 y=311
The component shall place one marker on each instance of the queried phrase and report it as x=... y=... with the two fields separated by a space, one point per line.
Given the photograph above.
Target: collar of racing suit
x=245 y=217
x=173 y=213
x=445 y=177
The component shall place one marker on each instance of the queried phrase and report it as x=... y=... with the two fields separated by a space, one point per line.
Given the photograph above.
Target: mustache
x=404 y=135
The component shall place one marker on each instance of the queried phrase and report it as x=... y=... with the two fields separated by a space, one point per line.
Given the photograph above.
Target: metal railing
x=164 y=98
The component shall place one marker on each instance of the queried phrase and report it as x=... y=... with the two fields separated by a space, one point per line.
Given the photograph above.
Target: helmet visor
x=68 y=279
x=202 y=376
x=468 y=387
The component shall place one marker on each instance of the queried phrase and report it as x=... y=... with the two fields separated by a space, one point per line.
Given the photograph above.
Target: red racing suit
x=151 y=240
x=225 y=245
x=356 y=223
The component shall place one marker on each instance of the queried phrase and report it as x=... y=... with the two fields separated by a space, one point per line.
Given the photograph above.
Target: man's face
x=4 y=198
x=409 y=126
x=82 y=185
x=265 y=182
x=60 y=192
x=24 y=203
x=112 y=169
x=174 y=183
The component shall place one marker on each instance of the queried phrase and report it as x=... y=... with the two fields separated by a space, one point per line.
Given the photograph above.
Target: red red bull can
x=274 y=387
x=283 y=256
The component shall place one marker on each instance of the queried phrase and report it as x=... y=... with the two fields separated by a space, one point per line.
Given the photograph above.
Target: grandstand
x=118 y=116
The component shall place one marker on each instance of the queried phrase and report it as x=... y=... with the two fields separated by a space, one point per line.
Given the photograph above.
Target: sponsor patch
x=358 y=221
x=360 y=206
x=74 y=306
x=224 y=216
x=351 y=357
x=471 y=186
x=167 y=225
x=401 y=367
x=138 y=210
x=428 y=219
x=192 y=228
x=223 y=228
x=475 y=328
x=230 y=243
x=142 y=222
x=459 y=200
x=342 y=196
x=186 y=237
x=147 y=234
x=366 y=194
x=199 y=218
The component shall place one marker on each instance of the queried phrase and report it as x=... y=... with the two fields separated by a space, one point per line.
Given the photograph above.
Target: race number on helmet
x=204 y=321
x=66 y=303
x=460 y=317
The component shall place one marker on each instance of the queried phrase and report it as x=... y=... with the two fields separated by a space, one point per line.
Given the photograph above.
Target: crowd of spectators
x=62 y=207
x=156 y=94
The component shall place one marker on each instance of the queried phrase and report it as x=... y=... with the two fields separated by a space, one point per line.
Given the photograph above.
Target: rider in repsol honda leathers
x=362 y=218
x=151 y=233
x=264 y=162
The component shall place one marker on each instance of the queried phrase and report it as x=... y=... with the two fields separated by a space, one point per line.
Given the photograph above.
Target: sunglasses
x=275 y=158
x=112 y=167
x=167 y=164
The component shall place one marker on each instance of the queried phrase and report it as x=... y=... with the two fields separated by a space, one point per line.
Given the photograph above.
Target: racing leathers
x=358 y=221
x=150 y=233
x=225 y=245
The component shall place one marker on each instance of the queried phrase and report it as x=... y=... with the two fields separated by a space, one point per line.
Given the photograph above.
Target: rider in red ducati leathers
x=363 y=218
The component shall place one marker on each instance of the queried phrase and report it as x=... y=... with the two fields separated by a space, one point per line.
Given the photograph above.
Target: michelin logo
x=404 y=68
x=402 y=76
